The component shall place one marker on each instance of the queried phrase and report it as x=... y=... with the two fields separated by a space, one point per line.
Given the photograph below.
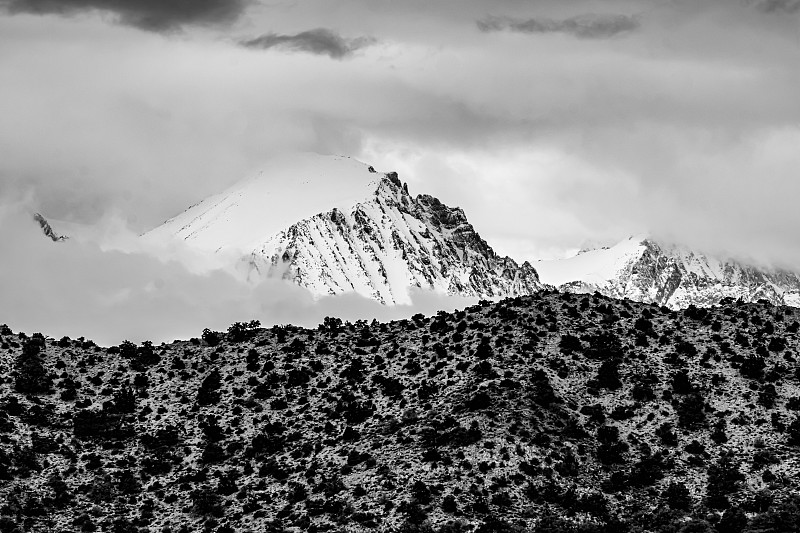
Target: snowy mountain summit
x=335 y=225
x=645 y=270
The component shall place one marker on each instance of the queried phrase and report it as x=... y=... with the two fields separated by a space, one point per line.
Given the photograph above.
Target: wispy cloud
x=588 y=26
x=150 y=15
x=778 y=6
x=320 y=41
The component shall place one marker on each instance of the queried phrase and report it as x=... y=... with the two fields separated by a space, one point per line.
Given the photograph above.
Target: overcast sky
x=552 y=123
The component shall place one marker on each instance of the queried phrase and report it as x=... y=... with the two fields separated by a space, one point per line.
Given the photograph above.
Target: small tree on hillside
x=724 y=478
x=208 y=394
x=30 y=374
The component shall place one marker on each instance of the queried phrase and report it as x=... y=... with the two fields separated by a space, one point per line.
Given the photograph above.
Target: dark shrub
x=691 y=412
x=205 y=501
x=644 y=325
x=605 y=345
x=734 y=520
x=570 y=343
x=647 y=470
x=212 y=338
x=681 y=384
x=753 y=367
x=724 y=478
x=718 y=435
x=124 y=399
x=767 y=396
x=667 y=435
x=242 y=331
x=208 y=393
x=777 y=344
x=542 y=392
x=30 y=374
x=100 y=424
x=677 y=496
x=686 y=349
x=608 y=375
x=479 y=400
x=449 y=504
x=793 y=433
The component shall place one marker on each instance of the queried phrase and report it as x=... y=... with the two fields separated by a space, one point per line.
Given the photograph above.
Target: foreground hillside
x=553 y=412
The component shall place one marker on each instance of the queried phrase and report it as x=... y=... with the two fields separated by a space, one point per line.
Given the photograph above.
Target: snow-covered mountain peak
x=645 y=269
x=335 y=225
x=287 y=189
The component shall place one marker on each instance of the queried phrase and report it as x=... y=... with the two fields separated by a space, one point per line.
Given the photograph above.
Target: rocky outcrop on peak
x=47 y=229
x=387 y=243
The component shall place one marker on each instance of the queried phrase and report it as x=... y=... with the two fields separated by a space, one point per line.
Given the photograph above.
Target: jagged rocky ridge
x=47 y=229
x=645 y=270
x=389 y=242
x=550 y=413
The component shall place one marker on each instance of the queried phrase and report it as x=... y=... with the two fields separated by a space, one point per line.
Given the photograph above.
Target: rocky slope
x=548 y=413
x=372 y=237
x=644 y=270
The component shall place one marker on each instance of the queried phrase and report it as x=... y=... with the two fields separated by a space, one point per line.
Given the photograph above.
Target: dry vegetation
x=553 y=412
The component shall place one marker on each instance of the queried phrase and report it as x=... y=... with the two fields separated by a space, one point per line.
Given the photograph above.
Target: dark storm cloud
x=589 y=26
x=150 y=15
x=320 y=41
x=779 y=6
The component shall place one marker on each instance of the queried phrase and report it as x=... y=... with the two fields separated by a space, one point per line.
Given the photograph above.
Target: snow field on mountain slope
x=288 y=189
x=594 y=266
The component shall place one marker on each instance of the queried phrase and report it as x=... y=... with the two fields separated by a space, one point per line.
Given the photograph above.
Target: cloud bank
x=687 y=122
x=149 y=15
x=319 y=41
x=112 y=293
x=587 y=26
x=779 y=6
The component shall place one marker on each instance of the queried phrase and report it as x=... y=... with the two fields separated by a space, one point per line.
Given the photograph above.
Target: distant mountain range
x=334 y=225
x=644 y=270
